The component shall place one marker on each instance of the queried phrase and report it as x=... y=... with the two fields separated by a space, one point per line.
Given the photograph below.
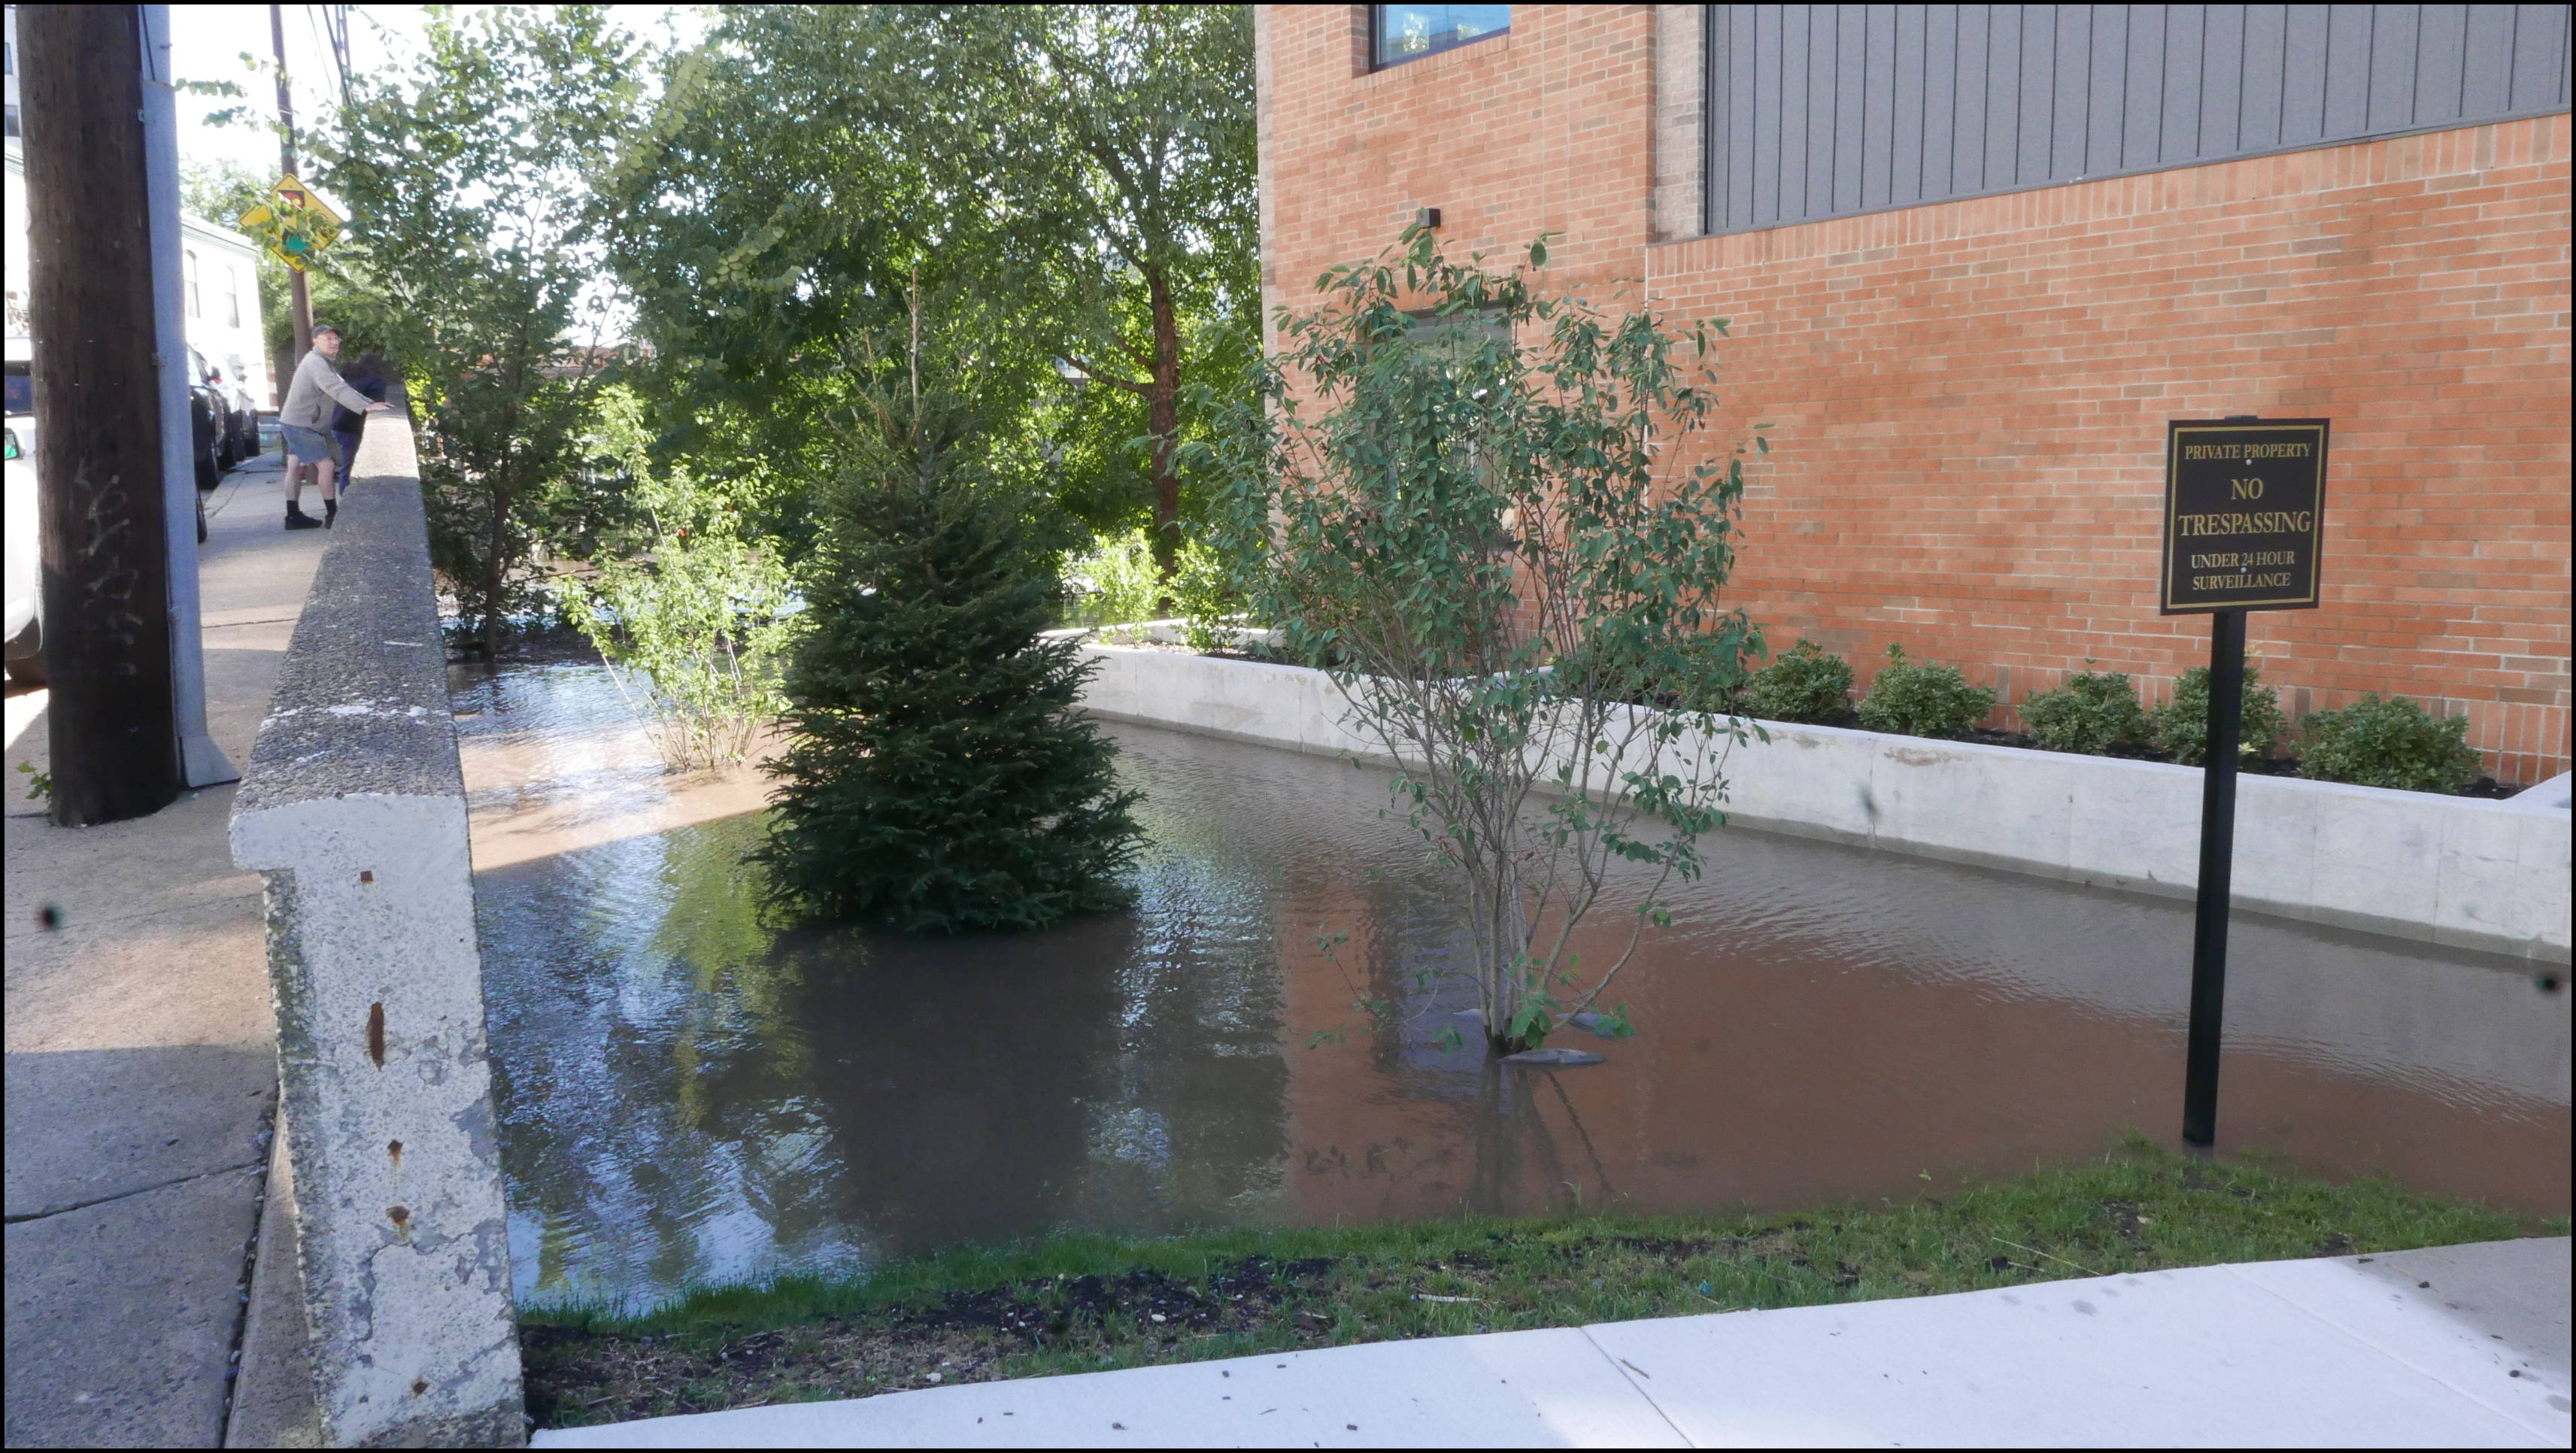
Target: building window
x=232 y=296
x=1409 y=32
x=188 y=275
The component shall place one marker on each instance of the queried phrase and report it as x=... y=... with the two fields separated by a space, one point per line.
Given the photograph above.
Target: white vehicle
x=25 y=627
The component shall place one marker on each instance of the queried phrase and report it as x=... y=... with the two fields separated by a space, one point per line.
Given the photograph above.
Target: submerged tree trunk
x=496 y=562
x=1163 y=420
x=1507 y=965
x=495 y=568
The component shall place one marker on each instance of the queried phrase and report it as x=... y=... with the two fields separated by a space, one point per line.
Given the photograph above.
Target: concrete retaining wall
x=2477 y=874
x=354 y=811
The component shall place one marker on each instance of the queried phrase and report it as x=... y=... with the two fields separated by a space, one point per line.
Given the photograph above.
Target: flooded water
x=688 y=1096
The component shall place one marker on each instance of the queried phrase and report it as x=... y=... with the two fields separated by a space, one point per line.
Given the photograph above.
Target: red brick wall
x=1968 y=398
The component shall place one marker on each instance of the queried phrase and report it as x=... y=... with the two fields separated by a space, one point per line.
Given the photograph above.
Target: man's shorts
x=309 y=446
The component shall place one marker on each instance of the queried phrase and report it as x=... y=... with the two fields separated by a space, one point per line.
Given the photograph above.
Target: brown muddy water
x=689 y=1097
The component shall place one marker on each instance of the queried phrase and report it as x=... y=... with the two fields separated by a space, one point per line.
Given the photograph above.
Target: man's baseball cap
x=321 y=328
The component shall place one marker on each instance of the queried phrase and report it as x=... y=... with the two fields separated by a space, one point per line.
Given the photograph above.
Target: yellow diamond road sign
x=295 y=223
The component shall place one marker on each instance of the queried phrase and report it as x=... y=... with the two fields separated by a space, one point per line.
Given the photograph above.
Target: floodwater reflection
x=690 y=1097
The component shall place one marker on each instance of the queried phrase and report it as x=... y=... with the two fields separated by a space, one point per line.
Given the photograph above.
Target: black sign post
x=2244 y=518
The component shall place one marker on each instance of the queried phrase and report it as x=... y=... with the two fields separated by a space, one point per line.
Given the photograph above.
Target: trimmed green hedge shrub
x=1922 y=700
x=2388 y=742
x=2093 y=711
x=2180 y=727
x=1807 y=683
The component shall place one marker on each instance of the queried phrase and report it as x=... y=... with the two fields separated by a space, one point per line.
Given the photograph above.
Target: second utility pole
x=302 y=311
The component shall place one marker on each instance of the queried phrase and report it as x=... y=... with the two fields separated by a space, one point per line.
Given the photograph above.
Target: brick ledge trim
x=2540 y=144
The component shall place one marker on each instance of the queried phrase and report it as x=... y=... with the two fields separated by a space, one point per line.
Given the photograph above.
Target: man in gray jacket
x=306 y=421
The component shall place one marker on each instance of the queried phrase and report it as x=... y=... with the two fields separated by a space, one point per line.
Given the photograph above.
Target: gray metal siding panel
x=1832 y=110
x=1851 y=94
x=1905 y=182
x=2222 y=86
x=2348 y=30
x=2037 y=86
x=2179 y=136
x=1940 y=98
x=2258 y=105
x=2539 y=68
x=2004 y=104
x=2142 y=138
x=1732 y=57
x=2441 y=48
x=1762 y=199
x=2393 y=38
x=2069 y=91
x=2486 y=72
x=2106 y=117
x=1970 y=96
x=1878 y=108
x=2303 y=77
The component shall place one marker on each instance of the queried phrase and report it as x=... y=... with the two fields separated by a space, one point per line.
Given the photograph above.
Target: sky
x=209 y=41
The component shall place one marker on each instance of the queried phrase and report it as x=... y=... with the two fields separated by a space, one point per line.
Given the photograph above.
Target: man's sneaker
x=330 y=513
x=297 y=519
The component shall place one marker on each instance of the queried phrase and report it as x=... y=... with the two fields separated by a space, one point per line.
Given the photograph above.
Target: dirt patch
x=576 y=1377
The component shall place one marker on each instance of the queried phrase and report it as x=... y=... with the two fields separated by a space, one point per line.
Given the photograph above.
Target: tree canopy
x=465 y=181
x=1080 y=177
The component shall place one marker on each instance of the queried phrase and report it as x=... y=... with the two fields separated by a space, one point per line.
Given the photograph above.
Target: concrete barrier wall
x=2477 y=874
x=353 y=808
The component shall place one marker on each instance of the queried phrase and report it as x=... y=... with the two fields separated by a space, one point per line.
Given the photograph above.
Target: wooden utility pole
x=110 y=721
x=297 y=289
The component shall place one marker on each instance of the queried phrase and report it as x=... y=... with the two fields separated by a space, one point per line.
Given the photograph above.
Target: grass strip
x=1080 y=1303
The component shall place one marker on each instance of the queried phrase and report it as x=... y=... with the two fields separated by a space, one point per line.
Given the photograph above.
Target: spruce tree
x=938 y=777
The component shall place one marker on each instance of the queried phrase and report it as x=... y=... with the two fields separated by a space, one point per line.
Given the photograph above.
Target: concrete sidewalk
x=2463 y=1346
x=142 y=1068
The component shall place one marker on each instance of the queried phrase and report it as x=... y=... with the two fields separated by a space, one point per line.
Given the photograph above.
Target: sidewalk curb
x=273 y=1400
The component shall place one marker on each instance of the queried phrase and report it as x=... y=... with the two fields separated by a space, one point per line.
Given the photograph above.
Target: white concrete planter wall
x=353 y=809
x=2453 y=870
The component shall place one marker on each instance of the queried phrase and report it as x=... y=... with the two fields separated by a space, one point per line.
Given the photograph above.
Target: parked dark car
x=210 y=418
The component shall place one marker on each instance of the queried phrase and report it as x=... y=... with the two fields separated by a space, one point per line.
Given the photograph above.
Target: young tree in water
x=938 y=777
x=466 y=180
x=1471 y=518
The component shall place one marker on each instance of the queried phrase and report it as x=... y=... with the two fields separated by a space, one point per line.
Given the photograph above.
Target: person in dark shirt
x=367 y=376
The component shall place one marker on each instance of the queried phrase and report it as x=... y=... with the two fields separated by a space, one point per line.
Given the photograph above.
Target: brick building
x=1975 y=257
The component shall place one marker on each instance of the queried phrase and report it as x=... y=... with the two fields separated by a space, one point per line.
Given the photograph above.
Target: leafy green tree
x=938 y=777
x=1472 y=522
x=466 y=178
x=1082 y=175
x=770 y=220
x=1129 y=129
